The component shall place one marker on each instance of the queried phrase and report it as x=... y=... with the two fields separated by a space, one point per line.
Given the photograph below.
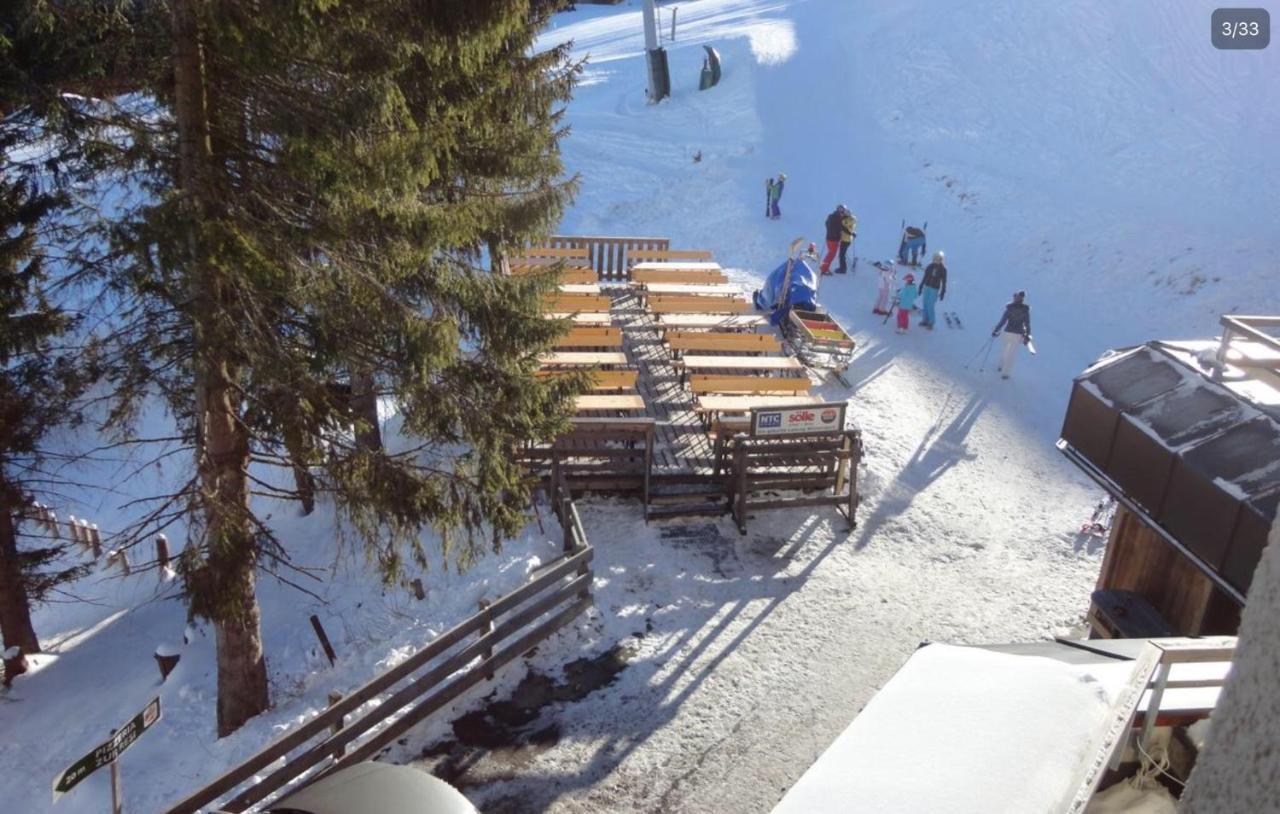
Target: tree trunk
x=224 y=589
x=364 y=403
x=15 y=609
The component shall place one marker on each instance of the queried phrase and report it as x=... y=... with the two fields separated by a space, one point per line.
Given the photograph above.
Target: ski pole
x=983 y=366
x=893 y=305
x=985 y=347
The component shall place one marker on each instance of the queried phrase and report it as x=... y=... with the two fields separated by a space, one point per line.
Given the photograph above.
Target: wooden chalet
x=1186 y=437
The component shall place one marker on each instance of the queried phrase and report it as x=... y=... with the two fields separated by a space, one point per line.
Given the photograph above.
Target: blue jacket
x=907 y=296
x=1016 y=319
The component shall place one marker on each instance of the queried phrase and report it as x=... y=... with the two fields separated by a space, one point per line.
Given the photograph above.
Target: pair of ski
x=953 y=320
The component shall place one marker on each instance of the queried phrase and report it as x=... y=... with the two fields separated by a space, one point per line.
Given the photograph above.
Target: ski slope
x=1100 y=155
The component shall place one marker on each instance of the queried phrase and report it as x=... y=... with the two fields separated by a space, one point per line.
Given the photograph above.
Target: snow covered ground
x=1101 y=155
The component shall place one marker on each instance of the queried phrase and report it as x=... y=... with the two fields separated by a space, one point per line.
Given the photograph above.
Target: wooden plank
x=676 y=266
x=555 y=252
x=612 y=403
x=574 y=359
x=695 y=289
x=680 y=304
x=692 y=363
x=748 y=384
x=583 y=319
x=678 y=276
x=723 y=341
x=591 y=337
x=605 y=379
x=740 y=322
x=579 y=288
x=570 y=303
x=669 y=255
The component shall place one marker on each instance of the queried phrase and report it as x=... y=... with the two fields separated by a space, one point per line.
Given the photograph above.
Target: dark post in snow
x=324 y=639
x=166 y=659
x=659 y=75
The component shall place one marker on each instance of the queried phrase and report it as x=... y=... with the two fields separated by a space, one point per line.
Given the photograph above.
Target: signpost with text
x=106 y=754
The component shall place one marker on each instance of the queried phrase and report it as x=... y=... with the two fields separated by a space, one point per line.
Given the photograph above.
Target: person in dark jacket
x=933 y=289
x=1016 y=325
x=775 y=196
x=848 y=231
x=834 y=225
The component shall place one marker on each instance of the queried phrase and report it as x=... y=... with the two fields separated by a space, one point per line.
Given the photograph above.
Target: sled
x=820 y=342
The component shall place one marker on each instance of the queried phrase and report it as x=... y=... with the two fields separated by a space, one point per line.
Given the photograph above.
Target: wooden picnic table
x=715 y=322
x=692 y=363
x=582 y=359
x=743 y=404
x=629 y=404
x=698 y=289
x=676 y=265
x=580 y=288
x=584 y=318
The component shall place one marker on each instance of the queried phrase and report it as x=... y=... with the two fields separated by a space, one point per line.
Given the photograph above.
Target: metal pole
x=117 y=798
x=650 y=26
x=673 y=23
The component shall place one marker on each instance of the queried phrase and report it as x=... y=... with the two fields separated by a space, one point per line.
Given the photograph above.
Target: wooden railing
x=609 y=255
x=598 y=454
x=457 y=660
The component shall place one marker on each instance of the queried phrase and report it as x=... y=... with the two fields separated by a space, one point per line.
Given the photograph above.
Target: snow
x=1102 y=156
x=964 y=730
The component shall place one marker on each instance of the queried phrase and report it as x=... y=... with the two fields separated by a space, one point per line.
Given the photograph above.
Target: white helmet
x=938 y=256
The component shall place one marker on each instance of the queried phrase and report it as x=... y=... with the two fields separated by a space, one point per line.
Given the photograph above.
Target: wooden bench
x=756 y=363
x=720 y=341
x=618 y=404
x=584 y=359
x=578 y=288
x=591 y=337
x=571 y=275
x=690 y=265
x=583 y=319
x=604 y=379
x=682 y=304
x=713 y=322
x=694 y=289
x=576 y=303
x=749 y=385
x=667 y=255
x=647 y=276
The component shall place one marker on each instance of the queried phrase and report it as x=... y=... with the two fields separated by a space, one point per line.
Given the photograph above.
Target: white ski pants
x=1011 y=342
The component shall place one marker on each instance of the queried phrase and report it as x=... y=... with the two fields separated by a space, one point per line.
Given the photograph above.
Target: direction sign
x=107 y=751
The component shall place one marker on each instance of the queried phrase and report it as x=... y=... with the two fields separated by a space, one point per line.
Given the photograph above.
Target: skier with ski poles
x=933 y=289
x=906 y=302
x=768 y=196
x=888 y=276
x=848 y=231
x=774 y=196
x=833 y=226
x=1016 y=326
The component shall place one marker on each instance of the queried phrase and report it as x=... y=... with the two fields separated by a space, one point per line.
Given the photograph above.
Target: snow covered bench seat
x=649 y=276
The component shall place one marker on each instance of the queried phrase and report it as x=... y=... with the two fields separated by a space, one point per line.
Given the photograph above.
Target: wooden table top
x=700 y=289
x=721 y=322
x=582 y=359
x=631 y=403
x=742 y=363
x=579 y=288
x=584 y=319
x=742 y=404
x=674 y=265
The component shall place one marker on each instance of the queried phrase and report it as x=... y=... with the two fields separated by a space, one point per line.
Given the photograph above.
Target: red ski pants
x=904 y=318
x=832 y=247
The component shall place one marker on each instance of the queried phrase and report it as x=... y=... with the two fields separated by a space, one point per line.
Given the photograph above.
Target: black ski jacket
x=834 y=226
x=1016 y=319
x=935 y=276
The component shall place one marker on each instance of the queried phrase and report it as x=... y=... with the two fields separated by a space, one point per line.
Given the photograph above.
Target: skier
x=888 y=276
x=775 y=196
x=1016 y=323
x=833 y=237
x=906 y=302
x=933 y=288
x=768 y=196
x=912 y=246
x=848 y=231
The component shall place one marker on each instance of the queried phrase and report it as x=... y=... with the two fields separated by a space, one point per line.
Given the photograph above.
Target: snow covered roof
x=1197 y=456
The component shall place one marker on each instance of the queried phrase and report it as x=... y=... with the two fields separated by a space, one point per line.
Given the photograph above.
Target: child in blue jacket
x=906 y=302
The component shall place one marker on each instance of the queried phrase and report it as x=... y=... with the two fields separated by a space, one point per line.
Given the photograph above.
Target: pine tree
x=36 y=382
x=319 y=184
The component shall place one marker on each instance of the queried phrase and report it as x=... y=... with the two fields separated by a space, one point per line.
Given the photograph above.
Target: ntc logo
x=804 y=416
x=770 y=420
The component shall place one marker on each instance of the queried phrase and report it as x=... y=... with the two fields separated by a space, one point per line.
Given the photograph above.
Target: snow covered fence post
x=167 y=658
x=673 y=22
x=740 y=481
x=335 y=698
x=418 y=591
x=162 y=554
x=485 y=629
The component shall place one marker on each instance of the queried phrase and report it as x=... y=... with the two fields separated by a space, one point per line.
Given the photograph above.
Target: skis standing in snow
x=933 y=289
x=906 y=302
x=773 y=195
x=848 y=231
x=888 y=276
x=1016 y=324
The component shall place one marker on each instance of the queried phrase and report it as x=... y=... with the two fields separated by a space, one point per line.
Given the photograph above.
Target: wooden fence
x=598 y=454
x=609 y=255
x=804 y=464
x=457 y=660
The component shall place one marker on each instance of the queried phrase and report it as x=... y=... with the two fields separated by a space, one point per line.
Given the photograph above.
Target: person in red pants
x=835 y=225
